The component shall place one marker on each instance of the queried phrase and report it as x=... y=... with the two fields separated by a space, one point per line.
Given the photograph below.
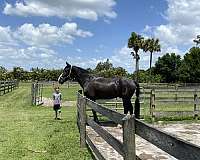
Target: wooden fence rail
x=7 y=86
x=174 y=97
x=178 y=148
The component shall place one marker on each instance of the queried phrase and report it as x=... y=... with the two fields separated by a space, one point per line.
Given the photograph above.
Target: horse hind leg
x=95 y=116
x=127 y=105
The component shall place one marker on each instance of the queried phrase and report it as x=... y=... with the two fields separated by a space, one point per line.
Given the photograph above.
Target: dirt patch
x=144 y=149
x=49 y=103
x=189 y=132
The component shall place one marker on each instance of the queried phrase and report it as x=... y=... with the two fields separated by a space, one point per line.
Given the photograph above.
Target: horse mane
x=82 y=70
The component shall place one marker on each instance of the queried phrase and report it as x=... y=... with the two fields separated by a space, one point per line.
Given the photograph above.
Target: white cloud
x=6 y=36
x=183 y=19
x=39 y=41
x=45 y=34
x=85 y=9
x=79 y=50
x=30 y=57
x=122 y=57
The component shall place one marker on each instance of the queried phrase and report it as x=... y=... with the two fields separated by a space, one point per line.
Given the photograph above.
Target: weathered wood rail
x=8 y=86
x=176 y=147
x=36 y=93
x=175 y=97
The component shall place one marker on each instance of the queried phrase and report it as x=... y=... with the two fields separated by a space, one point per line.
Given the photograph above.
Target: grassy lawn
x=69 y=94
x=31 y=133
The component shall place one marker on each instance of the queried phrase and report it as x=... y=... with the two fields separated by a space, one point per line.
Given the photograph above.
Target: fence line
x=174 y=146
x=8 y=86
x=154 y=99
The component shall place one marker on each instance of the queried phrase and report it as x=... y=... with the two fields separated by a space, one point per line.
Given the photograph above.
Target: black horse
x=104 y=88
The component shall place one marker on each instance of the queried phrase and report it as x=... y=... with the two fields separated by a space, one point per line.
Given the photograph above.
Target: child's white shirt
x=56 y=98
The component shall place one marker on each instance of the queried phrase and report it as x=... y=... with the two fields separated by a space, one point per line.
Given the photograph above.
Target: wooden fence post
x=4 y=87
x=32 y=94
x=0 y=88
x=78 y=110
x=11 y=83
x=129 y=137
x=152 y=102
x=82 y=114
x=41 y=92
x=176 y=94
x=195 y=104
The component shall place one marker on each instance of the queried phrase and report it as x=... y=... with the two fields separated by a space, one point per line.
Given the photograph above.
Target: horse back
x=107 y=88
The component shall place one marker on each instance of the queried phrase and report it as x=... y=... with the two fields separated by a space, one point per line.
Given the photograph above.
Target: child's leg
x=56 y=114
x=59 y=112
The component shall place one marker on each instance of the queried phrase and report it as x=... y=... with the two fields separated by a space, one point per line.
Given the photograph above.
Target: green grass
x=31 y=133
x=68 y=94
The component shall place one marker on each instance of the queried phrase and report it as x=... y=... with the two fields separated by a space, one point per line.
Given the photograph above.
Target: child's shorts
x=56 y=107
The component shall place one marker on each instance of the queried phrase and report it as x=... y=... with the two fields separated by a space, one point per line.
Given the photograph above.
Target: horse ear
x=68 y=64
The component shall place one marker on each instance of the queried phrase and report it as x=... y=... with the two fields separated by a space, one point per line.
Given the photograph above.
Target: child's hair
x=57 y=87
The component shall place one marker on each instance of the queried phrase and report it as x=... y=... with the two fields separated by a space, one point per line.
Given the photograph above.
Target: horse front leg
x=95 y=114
x=127 y=105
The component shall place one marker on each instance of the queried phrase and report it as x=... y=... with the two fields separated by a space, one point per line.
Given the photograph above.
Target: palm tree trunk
x=137 y=67
x=150 y=66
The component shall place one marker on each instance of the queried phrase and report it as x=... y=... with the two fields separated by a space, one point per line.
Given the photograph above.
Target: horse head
x=66 y=74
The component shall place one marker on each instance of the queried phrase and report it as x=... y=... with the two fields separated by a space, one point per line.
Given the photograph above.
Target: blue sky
x=85 y=32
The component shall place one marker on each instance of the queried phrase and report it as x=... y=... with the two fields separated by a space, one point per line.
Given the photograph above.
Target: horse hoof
x=119 y=126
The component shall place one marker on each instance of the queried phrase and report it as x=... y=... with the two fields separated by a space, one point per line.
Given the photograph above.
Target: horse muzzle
x=60 y=79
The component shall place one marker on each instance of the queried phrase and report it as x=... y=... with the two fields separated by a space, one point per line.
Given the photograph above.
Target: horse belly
x=106 y=92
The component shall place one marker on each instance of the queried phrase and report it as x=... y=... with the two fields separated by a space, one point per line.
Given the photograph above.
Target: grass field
x=69 y=94
x=31 y=133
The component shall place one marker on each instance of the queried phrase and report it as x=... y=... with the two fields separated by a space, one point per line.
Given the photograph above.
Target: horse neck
x=81 y=76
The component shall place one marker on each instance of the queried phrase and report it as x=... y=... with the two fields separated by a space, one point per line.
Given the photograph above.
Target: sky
x=47 y=33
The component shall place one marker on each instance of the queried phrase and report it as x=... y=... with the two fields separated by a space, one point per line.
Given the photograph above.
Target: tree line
x=170 y=68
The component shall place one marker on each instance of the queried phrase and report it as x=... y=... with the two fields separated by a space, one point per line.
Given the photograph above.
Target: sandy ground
x=144 y=149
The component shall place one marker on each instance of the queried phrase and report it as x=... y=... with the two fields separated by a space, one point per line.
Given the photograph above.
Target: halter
x=70 y=71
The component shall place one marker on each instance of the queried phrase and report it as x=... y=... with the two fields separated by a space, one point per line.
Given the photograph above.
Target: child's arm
x=60 y=99
x=53 y=99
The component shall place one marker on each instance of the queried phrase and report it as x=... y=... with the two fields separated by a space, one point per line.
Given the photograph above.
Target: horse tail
x=137 y=101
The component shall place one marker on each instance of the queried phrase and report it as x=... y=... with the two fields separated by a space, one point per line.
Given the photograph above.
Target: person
x=57 y=98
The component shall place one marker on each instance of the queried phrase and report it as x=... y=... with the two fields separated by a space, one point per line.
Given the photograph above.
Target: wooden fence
x=176 y=147
x=174 y=97
x=7 y=86
x=36 y=93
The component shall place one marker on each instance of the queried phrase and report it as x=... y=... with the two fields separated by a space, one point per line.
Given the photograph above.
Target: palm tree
x=197 y=40
x=151 y=45
x=136 y=42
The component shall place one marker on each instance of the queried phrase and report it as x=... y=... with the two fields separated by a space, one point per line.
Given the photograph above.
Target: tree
x=151 y=45
x=106 y=69
x=167 y=66
x=190 y=68
x=18 y=73
x=104 y=65
x=120 y=72
x=3 y=72
x=136 y=42
x=197 y=40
